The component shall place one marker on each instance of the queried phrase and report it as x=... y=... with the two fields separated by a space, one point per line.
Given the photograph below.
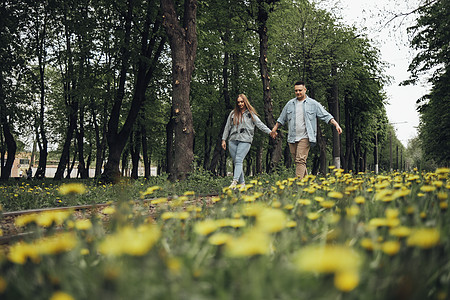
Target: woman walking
x=239 y=131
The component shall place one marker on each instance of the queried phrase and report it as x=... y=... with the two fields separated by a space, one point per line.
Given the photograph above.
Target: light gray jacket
x=245 y=130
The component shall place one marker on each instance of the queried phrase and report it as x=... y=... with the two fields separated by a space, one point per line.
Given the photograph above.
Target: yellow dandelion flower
x=276 y=204
x=24 y=220
x=150 y=190
x=313 y=216
x=335 y=195
x=424 y=238
x=271 y=220
x=391 y=213
x=250 y=243
x=442 y=170
x=304 y=201
x=359 y=200
x=443 y=205
x=219 y=238
x=132 y=241
x=368 y=244
x=83 y=224
x=427 y=188
x=215 y=199
x=48 y=218
x=319 y=199
x=20 y=252
x=109 y=210
x=410 y=210
x=327 y=259
x=189 y=193
x=390 y=247
x=352 y=211
x=442 y=196
x=346 y=281
x=288 y=207
x=327 y=204
x=291 y=224
x=378 y=222
x=57 y=243
x=72 y=188
x=158 y=201
x=59 y=295
x=206 y=227
x=400 y=231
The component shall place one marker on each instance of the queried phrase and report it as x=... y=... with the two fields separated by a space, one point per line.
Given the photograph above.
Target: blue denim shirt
x=245 y=130
x=311 y=109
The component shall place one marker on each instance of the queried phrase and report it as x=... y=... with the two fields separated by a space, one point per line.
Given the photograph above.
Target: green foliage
x=431 y=37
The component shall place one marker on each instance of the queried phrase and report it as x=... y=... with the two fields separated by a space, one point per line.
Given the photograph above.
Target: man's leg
x=299 y=151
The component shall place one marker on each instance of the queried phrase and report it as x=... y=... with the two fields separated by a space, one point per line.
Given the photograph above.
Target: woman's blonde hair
x=237 y=111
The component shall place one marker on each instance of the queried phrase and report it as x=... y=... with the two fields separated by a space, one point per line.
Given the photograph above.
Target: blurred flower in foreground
x=424 y=238
x=150 y=190
x=72 y=188
x=390 y=247
x=133 y=241
x=58 y=295
x=250 y=243
x=206 y=227
x=327 y=259
x=271 y=220
x=346 y=281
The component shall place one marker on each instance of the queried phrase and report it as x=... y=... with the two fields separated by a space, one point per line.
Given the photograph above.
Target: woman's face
x=240 y=103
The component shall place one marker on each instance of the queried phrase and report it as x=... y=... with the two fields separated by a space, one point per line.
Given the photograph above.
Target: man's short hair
x=300 y=82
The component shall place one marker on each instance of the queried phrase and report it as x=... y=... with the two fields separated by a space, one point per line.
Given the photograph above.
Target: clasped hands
x=273 y=134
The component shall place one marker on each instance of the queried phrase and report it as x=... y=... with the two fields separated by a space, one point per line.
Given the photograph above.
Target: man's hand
x=224 y=145
x=338 y=128
x=273 y=134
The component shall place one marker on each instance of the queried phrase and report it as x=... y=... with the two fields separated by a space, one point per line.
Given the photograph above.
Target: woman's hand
x=224 y=145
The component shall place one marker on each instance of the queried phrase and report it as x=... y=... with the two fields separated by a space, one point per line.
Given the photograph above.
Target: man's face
x=300 y=92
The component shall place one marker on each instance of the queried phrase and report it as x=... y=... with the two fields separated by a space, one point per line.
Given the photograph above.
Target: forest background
x=110 y=83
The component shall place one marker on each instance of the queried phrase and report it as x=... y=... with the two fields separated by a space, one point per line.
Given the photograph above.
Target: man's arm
x=275 y=128
x=336 y=124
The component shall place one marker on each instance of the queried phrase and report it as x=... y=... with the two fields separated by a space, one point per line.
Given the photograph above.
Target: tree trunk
x=11 y=145
x=219 y=155
x=183 y=43
x=259 y=159
x=287 y=157
x=146 y=157
x=322 y=143
x=135 y=146
x=348 y=165
x=208 y=141
x=274 y=151
x=333 y=104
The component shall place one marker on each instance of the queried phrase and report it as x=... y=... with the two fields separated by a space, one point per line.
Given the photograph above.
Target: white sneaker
x=233 y=185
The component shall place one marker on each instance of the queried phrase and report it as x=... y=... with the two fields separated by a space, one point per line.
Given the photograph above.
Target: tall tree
x=151 y=46
x=431 y=37
x=183 y=43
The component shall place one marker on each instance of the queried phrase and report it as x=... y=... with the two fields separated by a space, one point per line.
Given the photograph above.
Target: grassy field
x=341 y=236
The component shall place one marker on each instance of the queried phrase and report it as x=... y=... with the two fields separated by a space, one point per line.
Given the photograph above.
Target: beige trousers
x=299 y=151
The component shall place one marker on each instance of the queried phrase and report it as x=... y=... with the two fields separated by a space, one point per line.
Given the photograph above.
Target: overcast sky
x=371 y=16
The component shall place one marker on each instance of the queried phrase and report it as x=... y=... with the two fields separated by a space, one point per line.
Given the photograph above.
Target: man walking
x=301 y=114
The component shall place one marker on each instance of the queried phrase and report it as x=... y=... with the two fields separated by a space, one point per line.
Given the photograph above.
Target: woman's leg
x=241 y=151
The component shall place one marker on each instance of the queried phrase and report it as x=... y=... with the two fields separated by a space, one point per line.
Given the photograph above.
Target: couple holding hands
x=300 y=113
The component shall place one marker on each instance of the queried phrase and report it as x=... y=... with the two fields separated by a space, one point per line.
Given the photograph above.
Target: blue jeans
x=238 y=151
